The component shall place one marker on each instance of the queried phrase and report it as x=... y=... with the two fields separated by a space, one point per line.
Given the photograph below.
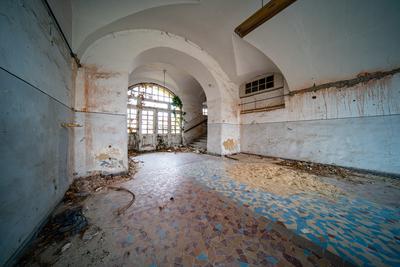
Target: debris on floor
x=69 y=219
x=348 y=175
x=66 y=223
x=281 y=180
x=82 y=187
x=65 y=247
x=90 y=232
x=318 y=169
x=182 y=148
x=69 y=222
x=125 y=207
x=286 y=177
x=190 y=211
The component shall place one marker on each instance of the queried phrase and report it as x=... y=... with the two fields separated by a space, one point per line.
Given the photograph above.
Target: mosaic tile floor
x=189 y=212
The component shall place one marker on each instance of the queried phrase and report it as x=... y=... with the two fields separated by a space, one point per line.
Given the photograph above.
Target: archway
x=101 y=90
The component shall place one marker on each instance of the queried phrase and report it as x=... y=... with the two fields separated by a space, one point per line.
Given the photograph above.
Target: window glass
x=154 y=104
x=147 y=121
x=132 y=120
x=162 y=122
x=155 y=101
x=175 y=123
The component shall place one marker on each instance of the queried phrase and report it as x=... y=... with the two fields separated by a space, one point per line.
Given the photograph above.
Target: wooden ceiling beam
x=265 y=13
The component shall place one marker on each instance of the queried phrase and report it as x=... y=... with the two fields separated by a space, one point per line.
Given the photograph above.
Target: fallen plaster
x=189 y=209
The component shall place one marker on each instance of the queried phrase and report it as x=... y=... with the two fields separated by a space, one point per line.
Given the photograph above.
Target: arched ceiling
x=208 y=23
x=91 y=15
x=310 y=42
x=314 y=41
x=179 y=82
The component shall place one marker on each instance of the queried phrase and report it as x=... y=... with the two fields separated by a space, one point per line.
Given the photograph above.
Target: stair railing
x=196 y=125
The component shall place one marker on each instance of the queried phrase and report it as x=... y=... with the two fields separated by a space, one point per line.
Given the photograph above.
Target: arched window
x=150 y=110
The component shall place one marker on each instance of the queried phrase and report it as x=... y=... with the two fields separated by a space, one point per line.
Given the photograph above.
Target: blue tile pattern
x=360 y=231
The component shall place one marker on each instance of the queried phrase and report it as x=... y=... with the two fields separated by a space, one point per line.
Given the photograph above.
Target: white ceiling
x=311 y=41
x=208 y=23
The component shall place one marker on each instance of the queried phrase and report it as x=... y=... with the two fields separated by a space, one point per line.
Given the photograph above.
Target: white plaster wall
x=35 y=97
x=100 y=145
x=208 y=23
x=375 y=98
x=229 y=141
x=118 y=52
x=315 y=41
x=30 y=43
x=354 y=127
x=90 y=15
x=121 y=52
x=63 y=12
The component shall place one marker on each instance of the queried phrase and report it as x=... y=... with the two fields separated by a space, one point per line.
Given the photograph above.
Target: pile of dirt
x=83 y=187
x=181 y=148
x=317 y=169
x=281 y=180
x=69 y=219
x=339 y=173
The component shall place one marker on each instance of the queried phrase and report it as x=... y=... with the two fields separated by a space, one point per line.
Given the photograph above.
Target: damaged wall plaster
x=349 y=126
x=36 y=96
x=316 y=42
x=221 y=93
x=100 y=145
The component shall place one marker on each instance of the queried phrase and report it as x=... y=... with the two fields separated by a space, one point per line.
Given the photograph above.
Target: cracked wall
x=100 y=145
x=36 y=92
x=354 y=126
x=117 y=52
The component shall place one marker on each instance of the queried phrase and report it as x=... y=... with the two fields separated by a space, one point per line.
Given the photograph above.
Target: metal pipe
x=72 y=54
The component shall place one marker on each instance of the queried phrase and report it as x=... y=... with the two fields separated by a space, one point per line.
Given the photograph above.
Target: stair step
x=199 y=142
x=199 y=145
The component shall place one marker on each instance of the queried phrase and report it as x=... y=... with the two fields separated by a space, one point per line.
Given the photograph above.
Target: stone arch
x=126 y=46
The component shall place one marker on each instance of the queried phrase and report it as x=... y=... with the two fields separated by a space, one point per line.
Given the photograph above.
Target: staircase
x=200 y=143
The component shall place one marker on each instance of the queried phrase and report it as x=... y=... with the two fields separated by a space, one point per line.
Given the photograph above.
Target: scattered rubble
x=91 y=232
x=281 y=180
x=69 y=219
x=83 y=187
x=65 y=247
x=124 y=208
x=68 y=222
x=182 y=148
x=318 y=169
x=286 y=177
x=337 y=172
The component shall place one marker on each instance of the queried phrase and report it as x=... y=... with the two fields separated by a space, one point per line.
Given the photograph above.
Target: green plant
x=177 y=102
x=160 y=143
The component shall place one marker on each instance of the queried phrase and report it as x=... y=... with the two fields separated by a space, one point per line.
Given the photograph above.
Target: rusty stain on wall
x=108 y=158
x=93 y=92
x=230 y=144
x=363 y=77
x=88 y=140
x=107 y=153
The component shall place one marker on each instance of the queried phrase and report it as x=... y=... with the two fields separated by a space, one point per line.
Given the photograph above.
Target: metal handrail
x=194 y=126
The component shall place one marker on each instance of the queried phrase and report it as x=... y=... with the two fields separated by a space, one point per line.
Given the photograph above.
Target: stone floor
x=189 y=212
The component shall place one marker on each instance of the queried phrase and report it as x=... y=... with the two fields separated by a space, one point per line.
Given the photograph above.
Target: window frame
x=143 y=93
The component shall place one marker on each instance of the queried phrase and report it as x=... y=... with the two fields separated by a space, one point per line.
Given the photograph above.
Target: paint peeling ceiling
x=194 y=20
x=311 y=41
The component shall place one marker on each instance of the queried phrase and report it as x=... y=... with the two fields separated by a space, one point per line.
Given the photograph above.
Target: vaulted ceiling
x=310 y=42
